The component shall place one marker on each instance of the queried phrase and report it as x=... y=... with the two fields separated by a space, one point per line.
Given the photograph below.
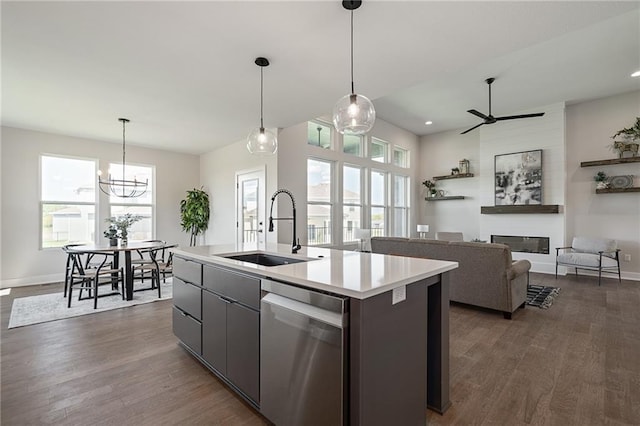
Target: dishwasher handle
x=332 y=318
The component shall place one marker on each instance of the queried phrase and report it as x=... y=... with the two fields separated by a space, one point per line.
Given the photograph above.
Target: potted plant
x=629 y=136
x=122 y=225
x=431 y=188
x=194 y=213
x=112 y=234
x=602 y=180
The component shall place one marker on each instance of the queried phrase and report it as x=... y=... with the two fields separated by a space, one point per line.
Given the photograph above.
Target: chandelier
x=123 y=188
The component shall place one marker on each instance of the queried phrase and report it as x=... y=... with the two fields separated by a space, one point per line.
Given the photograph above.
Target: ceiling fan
x=490 y=119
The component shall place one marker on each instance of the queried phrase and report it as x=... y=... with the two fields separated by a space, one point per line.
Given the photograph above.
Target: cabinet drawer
x=238 y=287
x=187 y=297
x=187 y=270
x=188 y=330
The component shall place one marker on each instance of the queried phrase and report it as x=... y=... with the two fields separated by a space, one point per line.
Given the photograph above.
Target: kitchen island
x=396 y=333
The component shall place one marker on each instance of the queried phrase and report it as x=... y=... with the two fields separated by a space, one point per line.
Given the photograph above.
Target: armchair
x=594 y=254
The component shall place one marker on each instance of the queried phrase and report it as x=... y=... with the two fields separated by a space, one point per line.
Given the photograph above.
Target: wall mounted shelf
x=625 y=160
x=518 y=209
x=453 y=197
x=458 y=176
x=617 y=190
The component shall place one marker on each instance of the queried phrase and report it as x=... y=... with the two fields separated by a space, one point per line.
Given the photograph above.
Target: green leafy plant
x=194 y=213
x=629 y=133
x=600 y=177
x=121 y=224
x=431 y=186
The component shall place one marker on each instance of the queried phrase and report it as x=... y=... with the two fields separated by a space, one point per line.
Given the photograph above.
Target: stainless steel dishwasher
x=303 y=356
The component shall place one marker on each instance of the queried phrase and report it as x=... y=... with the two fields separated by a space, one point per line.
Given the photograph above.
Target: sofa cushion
x=593 y=245
x=585 y=259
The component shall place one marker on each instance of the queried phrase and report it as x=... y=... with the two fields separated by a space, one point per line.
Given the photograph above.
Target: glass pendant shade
x=262 y=142
x=354 y=115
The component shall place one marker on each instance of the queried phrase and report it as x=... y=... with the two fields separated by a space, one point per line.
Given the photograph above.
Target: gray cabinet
x=243 y=348
x=187 y=303
x=231 y=327
x=214 y=337
x=188 y=330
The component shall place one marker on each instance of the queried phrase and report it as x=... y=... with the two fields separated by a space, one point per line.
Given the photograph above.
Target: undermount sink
x=264 y=259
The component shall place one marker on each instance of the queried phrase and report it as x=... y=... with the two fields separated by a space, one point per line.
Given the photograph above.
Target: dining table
x=127 y=249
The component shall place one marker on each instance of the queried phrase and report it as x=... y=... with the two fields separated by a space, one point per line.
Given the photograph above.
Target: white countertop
x=348 y=273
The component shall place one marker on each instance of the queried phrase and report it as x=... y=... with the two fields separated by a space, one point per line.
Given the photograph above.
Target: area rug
x=50 y=307
x=541 y=296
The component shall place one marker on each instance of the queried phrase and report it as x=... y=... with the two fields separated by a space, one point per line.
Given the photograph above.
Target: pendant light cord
x=123 y=149
x=353 y=91
x=261 y=97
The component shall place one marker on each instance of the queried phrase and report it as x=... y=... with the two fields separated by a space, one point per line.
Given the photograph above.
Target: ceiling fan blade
x=468 y=130
x=513 y=117
x=478 y=114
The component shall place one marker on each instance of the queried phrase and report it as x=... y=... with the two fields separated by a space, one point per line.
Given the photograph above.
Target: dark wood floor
x=575 y=363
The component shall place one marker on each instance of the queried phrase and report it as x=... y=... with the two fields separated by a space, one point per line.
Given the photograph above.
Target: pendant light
x=353 y=114
x=261 y=141
x=123 y=188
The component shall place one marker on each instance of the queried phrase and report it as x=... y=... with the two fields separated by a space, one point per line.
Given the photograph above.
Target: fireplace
x=523 y=244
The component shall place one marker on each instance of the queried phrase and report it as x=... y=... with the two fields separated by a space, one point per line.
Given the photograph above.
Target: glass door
x=251 y=208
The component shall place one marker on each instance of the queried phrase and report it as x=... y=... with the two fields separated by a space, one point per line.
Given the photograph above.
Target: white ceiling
x=183 y=72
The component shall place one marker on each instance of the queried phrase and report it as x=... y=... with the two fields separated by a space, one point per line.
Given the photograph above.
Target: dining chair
x=68 y=266
x=89 y=279
x=160 y=262
x=144 y=258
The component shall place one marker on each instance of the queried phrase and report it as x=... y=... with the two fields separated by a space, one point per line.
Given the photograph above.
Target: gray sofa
x=486 y=275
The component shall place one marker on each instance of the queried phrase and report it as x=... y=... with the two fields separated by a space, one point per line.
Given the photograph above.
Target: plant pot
x=113 y=242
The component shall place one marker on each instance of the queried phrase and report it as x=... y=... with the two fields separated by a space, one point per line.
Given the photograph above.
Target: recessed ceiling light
x=636 y=74
x=428 y=123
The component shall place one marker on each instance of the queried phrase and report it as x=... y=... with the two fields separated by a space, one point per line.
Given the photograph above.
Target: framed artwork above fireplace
x=518 y=178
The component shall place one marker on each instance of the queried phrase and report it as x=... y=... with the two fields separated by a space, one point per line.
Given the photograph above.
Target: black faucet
x=296 y=244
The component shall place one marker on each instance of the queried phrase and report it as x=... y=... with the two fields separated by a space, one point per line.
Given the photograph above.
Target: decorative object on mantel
x=353 y=114
x=602 y=180
x=518 y=178
x=123 y=188
x=624 y=181
x=630 y=135
x=431 y=188
x=122 y=225
x=261 y=141
x=455 y=171
x=463 y=165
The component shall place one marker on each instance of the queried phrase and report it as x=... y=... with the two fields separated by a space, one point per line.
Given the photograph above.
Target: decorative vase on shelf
x=113 y=242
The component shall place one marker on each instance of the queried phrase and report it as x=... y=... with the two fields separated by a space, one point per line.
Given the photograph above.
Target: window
x=400 y=206
x=319 y=196
x=67 y=200
x=353 y=144
x=141 y=206
x=378 y=203
x=319 y=134
x=400 y=157
x=379 y=150
x=351 y=202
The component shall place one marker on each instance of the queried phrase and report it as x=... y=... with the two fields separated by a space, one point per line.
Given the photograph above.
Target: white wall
x=218 y=170
x=590 y=126
x=548 y=134
x=23 y=262
x=439 y=153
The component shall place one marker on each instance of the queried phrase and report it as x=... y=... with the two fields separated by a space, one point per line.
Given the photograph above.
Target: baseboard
x=36 y=280
x=550 y=268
